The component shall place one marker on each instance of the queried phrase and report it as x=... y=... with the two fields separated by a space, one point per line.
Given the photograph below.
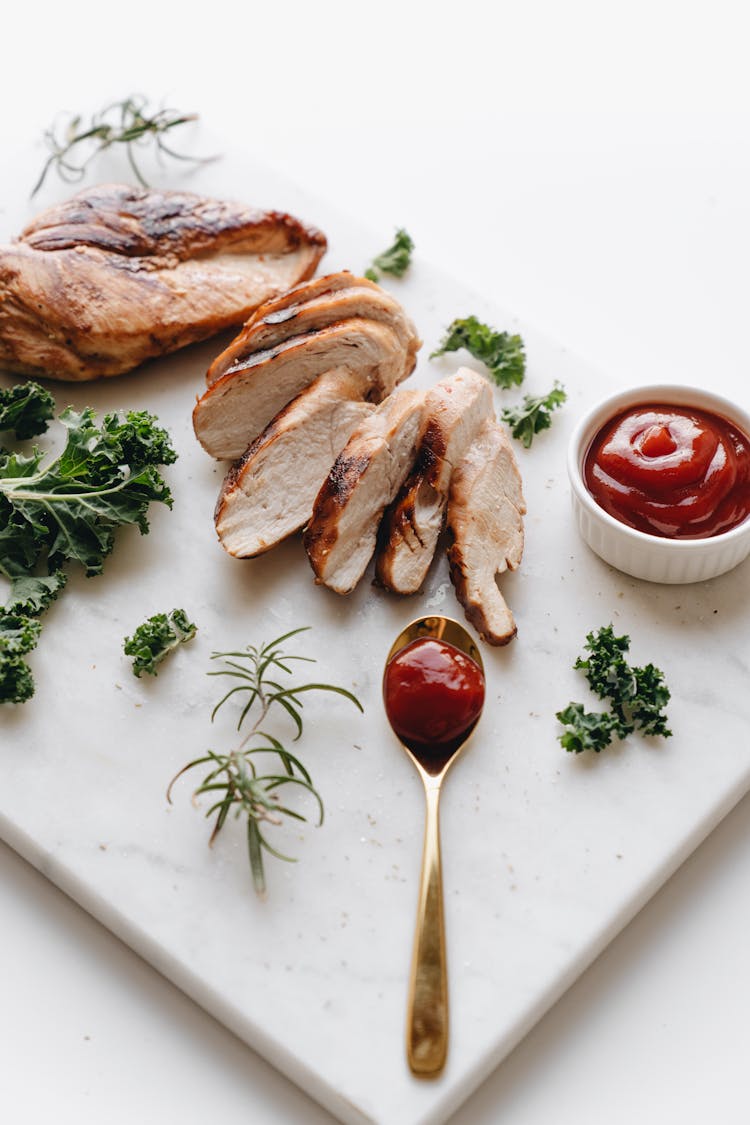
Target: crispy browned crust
x=117 y=275
x=398 y=523
x=321 y=534
x=143 y=223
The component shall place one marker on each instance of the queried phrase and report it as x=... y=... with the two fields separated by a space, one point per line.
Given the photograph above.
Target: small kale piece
x=19 y=634
x=156 y=638
x=20 y=630
x=586 y=730
x=68 y=508
x=607 y=671
x=500 y=352
x=651 y=697
x=638 y=696
x=534 y=415
x=395 y=260
x=26 y=408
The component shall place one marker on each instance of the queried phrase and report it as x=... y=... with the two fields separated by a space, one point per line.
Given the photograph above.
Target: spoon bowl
x=427 y=1016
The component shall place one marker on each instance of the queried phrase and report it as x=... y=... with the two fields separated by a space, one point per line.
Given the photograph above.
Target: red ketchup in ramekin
x=673 y=471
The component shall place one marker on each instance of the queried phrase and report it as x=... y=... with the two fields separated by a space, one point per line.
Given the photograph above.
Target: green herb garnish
x=20 y=631
x=395 y=260
x=242 y=780
x=500 y=352
x=68 y=508
x=153 y=641
x=129 y=122
x=638 y=697
x=534 y=414
x=26 y=409
x=18 y=636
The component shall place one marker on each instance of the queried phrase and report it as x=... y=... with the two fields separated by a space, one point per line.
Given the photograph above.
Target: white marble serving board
x=546 y=855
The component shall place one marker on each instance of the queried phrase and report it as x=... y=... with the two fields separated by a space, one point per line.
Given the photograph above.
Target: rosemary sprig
x=238 y=778
x=128 y=122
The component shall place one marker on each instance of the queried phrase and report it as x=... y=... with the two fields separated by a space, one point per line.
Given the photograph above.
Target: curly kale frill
x=637 y=696
x=68 y=508
x=153 y=641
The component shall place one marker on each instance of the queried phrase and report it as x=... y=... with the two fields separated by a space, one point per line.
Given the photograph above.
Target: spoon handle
x=427 y=1018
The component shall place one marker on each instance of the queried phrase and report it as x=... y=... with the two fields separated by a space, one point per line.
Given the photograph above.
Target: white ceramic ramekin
x=635 y=552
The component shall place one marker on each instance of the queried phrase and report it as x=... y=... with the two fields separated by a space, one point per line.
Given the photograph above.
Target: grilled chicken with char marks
x=341 y=535
x=310 y=307
x=117 y=275
x=269 y=493
x=454 y=411
x=485 y=526
x=289 y=344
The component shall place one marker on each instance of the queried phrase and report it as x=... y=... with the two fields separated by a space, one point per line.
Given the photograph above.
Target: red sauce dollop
x=672 y=471
x=433 y=693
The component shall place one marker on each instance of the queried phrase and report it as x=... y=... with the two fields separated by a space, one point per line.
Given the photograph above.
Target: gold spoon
x=427 y=1014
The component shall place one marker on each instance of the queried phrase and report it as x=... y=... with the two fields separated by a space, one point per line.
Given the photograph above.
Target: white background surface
x=589 y=168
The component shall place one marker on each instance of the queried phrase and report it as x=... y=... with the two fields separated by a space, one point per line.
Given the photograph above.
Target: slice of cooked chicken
x=310 y=307
x=454 y=411
x=116 y=275
x=239 y=405
x=367 y=474
x=485 y=523
x=269 y=493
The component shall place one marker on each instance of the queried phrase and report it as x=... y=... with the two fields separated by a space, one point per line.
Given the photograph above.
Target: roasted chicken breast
x=485 y=526
x=269 y=493
x=286 y=346
x=309 y=307
x=341 y=535
x=454 y=411
x=117 y=275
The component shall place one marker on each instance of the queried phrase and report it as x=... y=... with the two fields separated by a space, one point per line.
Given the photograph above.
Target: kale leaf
x=31 y=595
x=26 y=408
x=638 y=696
x=500 y=352
x=534 y=415
x=20 y=631
x=68 y=508
x=586 y=730
x=18 y=636
x=156 y=638
x=395 y=260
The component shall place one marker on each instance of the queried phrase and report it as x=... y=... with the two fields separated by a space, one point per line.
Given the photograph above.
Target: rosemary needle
x=242 y=780
x=129 y=122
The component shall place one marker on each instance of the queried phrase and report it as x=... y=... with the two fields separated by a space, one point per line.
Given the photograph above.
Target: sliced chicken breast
x=310 y=307
x=237 y=407
x=454 y=411
x=269 y=493
x=367 y=474
x=485 y=524
x=115 y=275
